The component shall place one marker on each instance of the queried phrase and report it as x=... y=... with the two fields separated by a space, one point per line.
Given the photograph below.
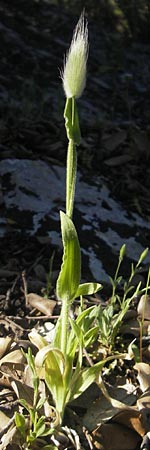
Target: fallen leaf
x=130 y=418
x=15 y=357
x=4 y=420
x=23 y=391
x=109 y=403
x=11 y=437
x=44 y=305
x=5 y=343
x=143 y=404
x=143 y=308
x=143 y=376
x=145 y=445
x=131 y=327
x=144 y=400
x=113 y=436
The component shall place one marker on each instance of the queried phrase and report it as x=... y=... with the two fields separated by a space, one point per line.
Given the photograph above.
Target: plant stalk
x=64 y=326
x=71 y=177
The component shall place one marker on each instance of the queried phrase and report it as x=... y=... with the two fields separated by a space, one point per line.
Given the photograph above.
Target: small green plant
x=32 y=426
x=111 y=317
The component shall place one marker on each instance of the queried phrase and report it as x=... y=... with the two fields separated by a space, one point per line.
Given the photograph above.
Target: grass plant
x=32 y=427
x=66 y=379
x=60 y=364
x=110 y=318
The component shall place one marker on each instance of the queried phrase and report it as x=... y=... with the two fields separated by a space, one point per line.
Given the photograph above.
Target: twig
x=33 y=317
x=88 y=438
x=25 y=287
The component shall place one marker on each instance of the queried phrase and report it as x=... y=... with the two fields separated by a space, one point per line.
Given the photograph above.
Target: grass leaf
x=88 y=289
x=69 y=277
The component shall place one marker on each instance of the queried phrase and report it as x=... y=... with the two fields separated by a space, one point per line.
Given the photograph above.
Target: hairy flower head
x=74 y=73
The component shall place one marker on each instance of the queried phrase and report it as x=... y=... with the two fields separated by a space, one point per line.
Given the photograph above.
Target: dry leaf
x=145 y=445
x=12 y=437
x=5 y=343
x=44 y=305
x=143 y=308
x=131 y=327
x=143 y=375
x=143 y=404
x=113 y=436
x=15 y=357
x=4 y=420
x=144 y=400
x=23 y=391
x=105 y=406
x=130 y=418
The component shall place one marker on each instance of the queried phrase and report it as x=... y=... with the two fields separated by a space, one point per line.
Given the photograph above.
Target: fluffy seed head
x=74 y=73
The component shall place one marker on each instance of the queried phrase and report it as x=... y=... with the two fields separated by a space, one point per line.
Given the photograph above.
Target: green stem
x=71 y=177
x=71 y=118
x=64 y=326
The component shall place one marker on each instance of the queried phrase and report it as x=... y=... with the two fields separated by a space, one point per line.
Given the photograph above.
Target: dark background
x=115 y=107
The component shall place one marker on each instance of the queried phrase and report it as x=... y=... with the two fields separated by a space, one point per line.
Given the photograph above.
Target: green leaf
x=72 y=344
x=72 y=121
x=20 y=423
x=54 y=380
x=142 y=256
x=40 y=403
x=30 y=360
x=40 y=426
x=31 y=437
x=57 y=335
x=83 y=322
x=33 y=415
x=24 y=404
x=90 y=336
x=69 y=370
x=88 y=289
x=47 y=432
x=54 y=363
x=69 y=277
x=50 y=447
x=84 y=378
x=122 y=252
x=78 y=334
x=77 y=330
x=89 y=312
